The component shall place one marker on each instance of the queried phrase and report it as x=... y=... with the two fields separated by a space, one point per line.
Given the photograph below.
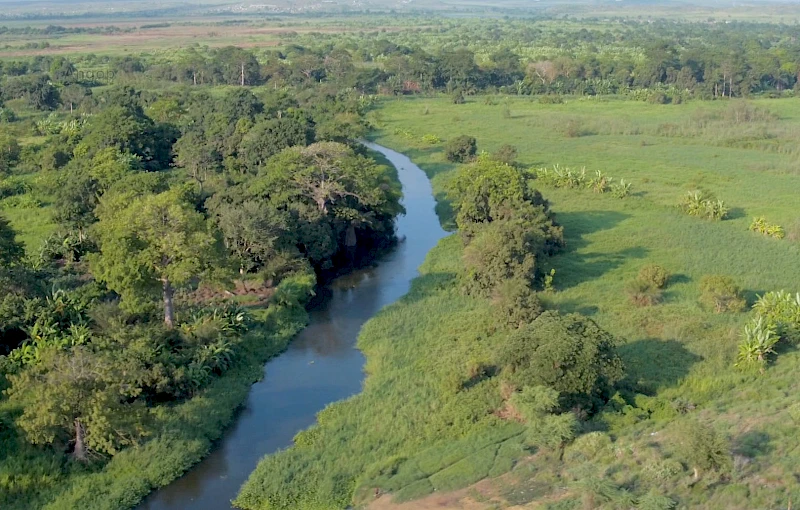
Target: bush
x=703 y=449
x=643 y=293
x=516 y=303
x=570 y=354
x=499 y=251
x=781 y=310
x=430 y=139
x=506 y=154
x=759 y=339
x=761 y=226
x=703 y=205
x=655 y=274
x=722 y=294
x=551 y=99
x=461 y=149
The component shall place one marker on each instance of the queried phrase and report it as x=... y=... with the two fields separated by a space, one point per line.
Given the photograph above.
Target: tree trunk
x=350 y=241
x=169 y=308
x=80 y=446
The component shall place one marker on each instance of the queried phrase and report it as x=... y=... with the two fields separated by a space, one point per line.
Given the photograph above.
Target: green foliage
x=654 y=274
x=565 y=177
x=722 y=294
x=536 y=404
x=516 y=303
x=461 y=149
x=703 y=449
x=429 y=139
x=506 y=154
x=781 y=311
x=643 y=293
x=761 y=226
x=78 y=398
x=150 y=243
x=9 y=152
x=697 y=203
x=11 y=250
x=759 y=339
x=569 y=354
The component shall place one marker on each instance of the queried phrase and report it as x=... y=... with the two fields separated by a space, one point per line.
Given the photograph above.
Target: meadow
x=413 y=432
x=678 y=350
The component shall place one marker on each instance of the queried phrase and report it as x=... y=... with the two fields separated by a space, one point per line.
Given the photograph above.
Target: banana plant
x=759 y=342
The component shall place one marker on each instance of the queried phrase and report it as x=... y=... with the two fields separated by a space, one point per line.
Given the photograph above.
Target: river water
x=321 y=365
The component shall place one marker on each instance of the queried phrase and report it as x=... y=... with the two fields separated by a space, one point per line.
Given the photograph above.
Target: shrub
x=759 y=339
x=781 y=310
x=703 y=449
x=722 y=294
x=601 y=183
x=643 y=293
x=570 y=354
x=561 y=177
x=516 y=303
x=506 y=154
x=551 y=99
x=700 y=204
x=461 y=149
x=655 y=274
x=761 y=226
x=574 y=129
x=431 y=139
x=498 y=252
x=621 y=189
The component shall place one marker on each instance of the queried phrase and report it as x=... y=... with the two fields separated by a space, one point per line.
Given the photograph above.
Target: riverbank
x=188 y=430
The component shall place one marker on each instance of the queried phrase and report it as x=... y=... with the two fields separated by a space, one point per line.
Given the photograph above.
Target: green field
x=410 y=433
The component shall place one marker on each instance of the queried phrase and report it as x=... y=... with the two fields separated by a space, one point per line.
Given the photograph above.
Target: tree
x=151 y=244
x=61 y=69
x=80 y=398
x=269 y=137
x=252 y=231
x=9 y=152
x=196 y=156
x=36 y=89
x=335 y=196
x=498 y=252
x=569 y=354
x=128 y=129
x=506 y=154
x=84 y=181
x=461 y=149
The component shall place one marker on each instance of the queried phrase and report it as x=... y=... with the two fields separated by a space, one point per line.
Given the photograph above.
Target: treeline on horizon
x=678 y=60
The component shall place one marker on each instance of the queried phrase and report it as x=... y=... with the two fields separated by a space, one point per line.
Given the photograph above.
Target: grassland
x=410 y=433
x=678 y=350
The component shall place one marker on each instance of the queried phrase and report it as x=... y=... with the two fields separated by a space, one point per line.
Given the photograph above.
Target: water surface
x=321 y=365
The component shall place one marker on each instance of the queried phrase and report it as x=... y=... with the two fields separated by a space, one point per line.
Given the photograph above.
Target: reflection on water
x=321 y=365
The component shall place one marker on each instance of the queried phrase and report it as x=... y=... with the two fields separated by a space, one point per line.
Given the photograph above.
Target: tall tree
x=78 y=398
x=150 y=245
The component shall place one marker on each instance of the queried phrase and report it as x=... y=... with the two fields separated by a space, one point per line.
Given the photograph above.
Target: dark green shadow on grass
x=653 y=364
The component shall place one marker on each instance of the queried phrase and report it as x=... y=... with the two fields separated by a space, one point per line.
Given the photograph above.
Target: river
x=321 y=365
